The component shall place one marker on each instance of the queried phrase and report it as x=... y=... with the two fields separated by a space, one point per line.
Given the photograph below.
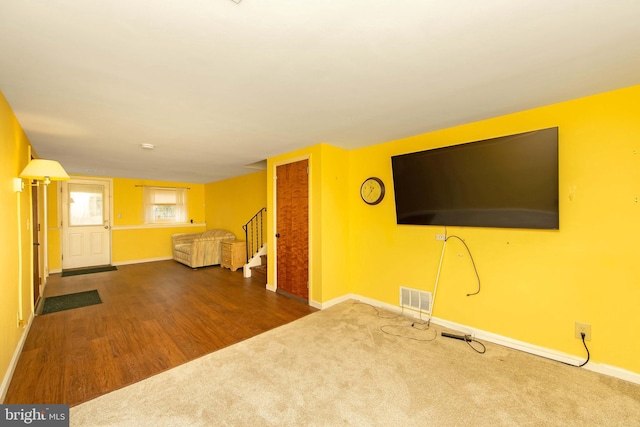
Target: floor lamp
x=37 y=170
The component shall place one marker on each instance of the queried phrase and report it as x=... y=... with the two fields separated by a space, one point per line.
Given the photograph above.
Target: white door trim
x=108 y=216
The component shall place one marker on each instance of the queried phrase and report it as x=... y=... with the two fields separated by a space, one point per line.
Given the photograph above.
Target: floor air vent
x=415 y=299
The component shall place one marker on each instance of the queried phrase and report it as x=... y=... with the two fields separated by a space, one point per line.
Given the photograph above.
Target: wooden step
x=260 y=273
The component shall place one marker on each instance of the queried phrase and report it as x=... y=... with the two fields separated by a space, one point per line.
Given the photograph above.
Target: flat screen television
x=505 y=182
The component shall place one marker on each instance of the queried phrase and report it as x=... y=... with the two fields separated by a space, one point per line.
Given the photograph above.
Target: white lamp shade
x=44 y=170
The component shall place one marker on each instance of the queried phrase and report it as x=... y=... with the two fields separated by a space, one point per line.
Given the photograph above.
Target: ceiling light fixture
x=147 y=146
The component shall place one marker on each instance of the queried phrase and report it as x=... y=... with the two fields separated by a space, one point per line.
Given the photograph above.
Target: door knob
x=277 y=235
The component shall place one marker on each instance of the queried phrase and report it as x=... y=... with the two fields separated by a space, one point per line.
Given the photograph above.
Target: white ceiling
x=217 y=85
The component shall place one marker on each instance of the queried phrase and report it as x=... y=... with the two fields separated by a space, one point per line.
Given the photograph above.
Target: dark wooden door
x=292 y=234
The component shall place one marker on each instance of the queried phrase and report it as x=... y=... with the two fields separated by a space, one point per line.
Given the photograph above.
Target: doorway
x=35 y=229
x=292 y=229
x=86 y=227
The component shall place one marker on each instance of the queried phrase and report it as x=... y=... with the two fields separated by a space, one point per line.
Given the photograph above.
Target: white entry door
x=86 y=230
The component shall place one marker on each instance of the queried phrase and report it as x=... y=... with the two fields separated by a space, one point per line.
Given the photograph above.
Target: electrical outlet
x=583 y=328
x=441 y=236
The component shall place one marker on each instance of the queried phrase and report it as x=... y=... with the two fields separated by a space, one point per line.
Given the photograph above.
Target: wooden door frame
x=40 y=252
x=274 y=263
x=36 y=242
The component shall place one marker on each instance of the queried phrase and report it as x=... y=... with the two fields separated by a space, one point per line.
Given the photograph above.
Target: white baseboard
x=134 y=261
x=6 y=381
x=479 y=334
x=312 y=303
x=142 y=261
x=613 y=371
x=547 y=353
x=509 y=342
x=315 y=304
x=344 y=298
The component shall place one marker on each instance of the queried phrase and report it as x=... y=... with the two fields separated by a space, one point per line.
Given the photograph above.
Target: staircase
x=260 y=271
x=256 y=246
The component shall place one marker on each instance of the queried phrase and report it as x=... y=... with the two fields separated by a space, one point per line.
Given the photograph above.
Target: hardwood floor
x=153 y=317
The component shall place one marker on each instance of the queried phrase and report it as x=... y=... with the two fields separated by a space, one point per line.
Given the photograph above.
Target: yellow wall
x=127 y=200
x=535 y=284
x=15 y=238
x=131 y=239
x=231 y=203
x=334 y=222
x=328 y=219
x=54 y=244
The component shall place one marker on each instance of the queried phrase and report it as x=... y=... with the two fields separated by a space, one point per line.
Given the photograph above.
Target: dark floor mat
x=69 y=301
x=89 y=270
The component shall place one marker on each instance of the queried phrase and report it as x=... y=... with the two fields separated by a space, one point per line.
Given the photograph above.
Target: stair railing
x=254 y=233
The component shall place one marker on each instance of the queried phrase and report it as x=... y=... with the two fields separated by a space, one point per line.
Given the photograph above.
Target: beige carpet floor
x=347 y=366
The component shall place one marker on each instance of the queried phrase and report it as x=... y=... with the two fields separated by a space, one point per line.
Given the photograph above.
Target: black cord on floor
x=386 y=329
x=469 y=340
x=482 y=349
x=588 y=354
x=393 y=316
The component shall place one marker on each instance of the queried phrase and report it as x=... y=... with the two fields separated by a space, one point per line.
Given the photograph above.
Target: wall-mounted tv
x=505 y=182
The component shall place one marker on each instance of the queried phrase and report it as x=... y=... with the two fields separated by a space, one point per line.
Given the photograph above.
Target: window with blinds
x=165 y=205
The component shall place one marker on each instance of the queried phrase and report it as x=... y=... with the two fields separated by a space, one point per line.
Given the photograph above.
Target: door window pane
x=85 y=204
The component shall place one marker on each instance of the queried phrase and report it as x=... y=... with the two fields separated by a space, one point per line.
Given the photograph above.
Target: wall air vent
x=415 y=299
